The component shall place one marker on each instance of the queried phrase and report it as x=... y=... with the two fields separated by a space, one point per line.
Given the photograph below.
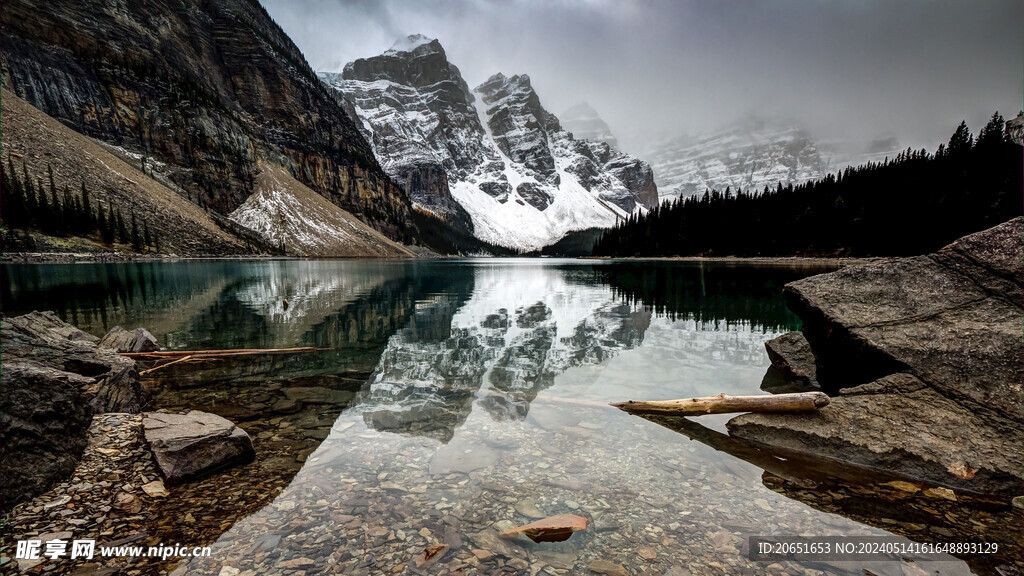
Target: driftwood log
x=722 y=404
x=165 y=354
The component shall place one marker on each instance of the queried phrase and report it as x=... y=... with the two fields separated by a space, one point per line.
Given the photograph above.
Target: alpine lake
x=454 y=399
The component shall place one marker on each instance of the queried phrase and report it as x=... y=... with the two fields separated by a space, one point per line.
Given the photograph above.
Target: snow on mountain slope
x=752 y=155
x=491 y=160
x=284 y=212
x=584 y=123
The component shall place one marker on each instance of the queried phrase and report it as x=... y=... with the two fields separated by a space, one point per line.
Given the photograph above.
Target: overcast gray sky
x=856 y=70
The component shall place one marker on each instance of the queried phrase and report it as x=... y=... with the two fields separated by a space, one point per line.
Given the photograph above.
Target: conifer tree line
x=30 y=203
x=914 y=203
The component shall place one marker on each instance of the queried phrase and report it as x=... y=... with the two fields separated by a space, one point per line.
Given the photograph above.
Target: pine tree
x=44 y=214
x=86 y=210
x=56 y=212
x=136 y=239
x=991 y=135
x=103 y=226
x=961 y=141
x=111 y=225
x=70 y=215
x=31 y=202
x=145 y=234
x=122 y=230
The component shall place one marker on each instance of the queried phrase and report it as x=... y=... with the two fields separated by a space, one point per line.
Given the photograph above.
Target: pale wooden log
x=154 y=369
x=214 y=353
x=722 y=404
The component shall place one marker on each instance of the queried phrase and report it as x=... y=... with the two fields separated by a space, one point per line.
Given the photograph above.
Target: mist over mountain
x=847 y=71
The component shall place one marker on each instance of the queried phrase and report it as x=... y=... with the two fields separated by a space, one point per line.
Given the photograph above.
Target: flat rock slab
x=194 y=444
x=927 y=359
x=952 y=318
x=899 y=424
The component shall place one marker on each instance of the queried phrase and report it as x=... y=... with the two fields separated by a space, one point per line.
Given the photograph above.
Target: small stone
x=155 y=489
x=1018 y=502
x=430 y=555
x=425 y=532
x=903 y=486
x=940 y=492
x=607 y=567
x=762 y=504
x=297 y=563
x=482 y=554
x=228 y=571
x=529 y=509
x=647 y=553
x=554 y=529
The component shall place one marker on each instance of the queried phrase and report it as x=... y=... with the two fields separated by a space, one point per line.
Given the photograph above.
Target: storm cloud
x=856 y=70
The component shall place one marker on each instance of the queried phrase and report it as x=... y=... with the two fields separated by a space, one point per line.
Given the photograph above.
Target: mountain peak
x=581 y=109
x=414 y=43
x=584 y=122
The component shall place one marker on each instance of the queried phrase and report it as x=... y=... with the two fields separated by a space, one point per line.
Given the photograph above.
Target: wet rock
x=460 y=458
x=489 y=539
x=318 y=395
x=54 y=379
x=121 y=340
x=430 y=555
x=791 y=354
x=902 y=342
x=529 y=509
x=607 y=567
x=554 y=529
x=1018 y=502
x=187 y=446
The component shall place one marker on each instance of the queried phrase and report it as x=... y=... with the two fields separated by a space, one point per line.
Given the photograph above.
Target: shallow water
x=459 y=398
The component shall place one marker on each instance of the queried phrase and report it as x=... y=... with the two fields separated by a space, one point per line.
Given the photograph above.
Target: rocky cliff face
x=55 y=378
x=206 y=87
x=491 y=159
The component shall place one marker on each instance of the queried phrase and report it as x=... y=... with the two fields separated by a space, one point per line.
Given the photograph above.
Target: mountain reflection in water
x=453 y=395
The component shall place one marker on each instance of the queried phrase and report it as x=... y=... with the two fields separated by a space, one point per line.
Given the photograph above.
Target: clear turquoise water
x=479 y=391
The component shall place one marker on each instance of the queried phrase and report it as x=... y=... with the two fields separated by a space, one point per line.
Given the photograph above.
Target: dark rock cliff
x=206 y=86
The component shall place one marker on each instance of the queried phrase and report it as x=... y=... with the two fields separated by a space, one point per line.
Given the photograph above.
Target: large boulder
x=926 y=356
x=54 y=379
x=194 y=444
x=792 y=356
x=121 y=340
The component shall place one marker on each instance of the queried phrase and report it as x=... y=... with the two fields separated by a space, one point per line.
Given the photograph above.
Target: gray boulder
x=792 y=356
x=927 y=355
x=121 y=340
x=188 y=446
x=54 y=379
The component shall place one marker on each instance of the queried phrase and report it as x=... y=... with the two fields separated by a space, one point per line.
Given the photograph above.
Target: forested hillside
x=911 y=204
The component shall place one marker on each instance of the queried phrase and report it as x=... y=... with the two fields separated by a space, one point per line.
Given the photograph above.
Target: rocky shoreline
x=793 y=261
x=923 y=359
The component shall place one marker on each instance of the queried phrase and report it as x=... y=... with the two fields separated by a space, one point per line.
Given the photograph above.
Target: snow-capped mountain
x=491 y=159
x=751 y=155
x=585 y=123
